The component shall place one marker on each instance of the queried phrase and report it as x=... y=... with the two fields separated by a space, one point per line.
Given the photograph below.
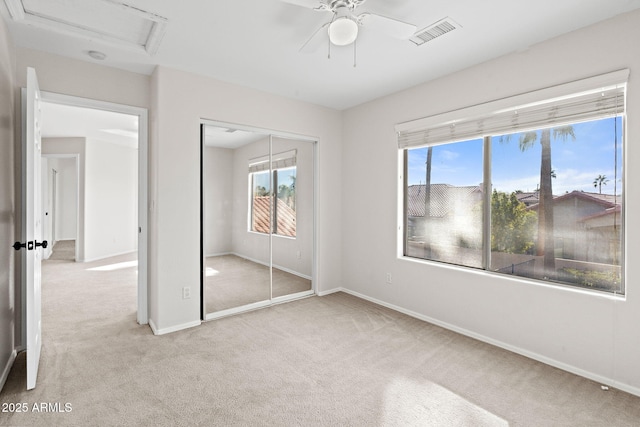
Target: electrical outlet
x=389 y=278
x=186 y=292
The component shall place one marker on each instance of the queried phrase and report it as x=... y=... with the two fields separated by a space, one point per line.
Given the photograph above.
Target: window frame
x=273 y=196
x=617 y=79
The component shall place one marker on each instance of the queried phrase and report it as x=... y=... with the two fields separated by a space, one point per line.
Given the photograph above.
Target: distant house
x=584 y=221
x=529 y=198
x=454 y=214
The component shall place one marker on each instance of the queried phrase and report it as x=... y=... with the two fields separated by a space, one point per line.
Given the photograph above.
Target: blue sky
x=284 y=177
x=576 y=163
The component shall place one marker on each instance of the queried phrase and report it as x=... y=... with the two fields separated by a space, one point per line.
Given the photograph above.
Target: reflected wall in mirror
x=257 y=218
x=292 y=215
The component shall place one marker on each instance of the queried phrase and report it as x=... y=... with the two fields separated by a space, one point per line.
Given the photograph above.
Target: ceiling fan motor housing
x=349 y=4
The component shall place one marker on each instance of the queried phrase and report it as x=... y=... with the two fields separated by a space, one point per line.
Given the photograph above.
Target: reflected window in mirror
x=273 y=195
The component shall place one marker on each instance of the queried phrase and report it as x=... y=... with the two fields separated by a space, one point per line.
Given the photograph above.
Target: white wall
x=111 y=186
x=591 y=334
x=107 y=188
x=247 y=244
x=255 y=246
x=84 y=79
x=218 y=195
x=179 y=100
x=8 y=230
x=285 y=250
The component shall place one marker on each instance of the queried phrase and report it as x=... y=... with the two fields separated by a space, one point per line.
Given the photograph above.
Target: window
x=533 y=191
x=444 y=182
x=273 y=211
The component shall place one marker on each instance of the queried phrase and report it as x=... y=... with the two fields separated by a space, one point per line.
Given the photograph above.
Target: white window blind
x=283 y=160
x=584 y=100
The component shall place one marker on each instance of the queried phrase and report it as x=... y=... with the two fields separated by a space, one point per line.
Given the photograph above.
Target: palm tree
x=260 y=191
x=427 y=206
x=545 y=245
x=599 y=181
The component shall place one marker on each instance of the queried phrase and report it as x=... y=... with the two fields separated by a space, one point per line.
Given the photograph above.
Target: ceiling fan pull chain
x=333 y=18
x=354 y=53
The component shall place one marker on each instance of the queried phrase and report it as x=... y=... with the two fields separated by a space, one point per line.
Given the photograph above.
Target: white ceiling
x=63 y=121
x=255 y=43
x=222 y=137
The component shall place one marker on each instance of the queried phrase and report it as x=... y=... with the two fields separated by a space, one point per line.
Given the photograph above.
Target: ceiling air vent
x=433 y=31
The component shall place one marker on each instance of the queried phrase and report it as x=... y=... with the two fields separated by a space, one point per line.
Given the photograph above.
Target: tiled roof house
x=585 y=221
x=450 y=206
x=444 y=199
x=286 y=224
x=529 y=198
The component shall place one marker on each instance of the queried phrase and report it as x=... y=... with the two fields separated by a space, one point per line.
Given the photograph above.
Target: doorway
x=60 y=205
x=111 y=167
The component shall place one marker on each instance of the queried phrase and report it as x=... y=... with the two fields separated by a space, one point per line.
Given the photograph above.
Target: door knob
x=30 y=245
x=18 y=245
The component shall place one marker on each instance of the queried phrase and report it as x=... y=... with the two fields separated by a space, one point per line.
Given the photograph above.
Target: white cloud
x=448 y=155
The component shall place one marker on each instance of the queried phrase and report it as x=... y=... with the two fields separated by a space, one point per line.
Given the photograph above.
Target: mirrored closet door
x=257 y=210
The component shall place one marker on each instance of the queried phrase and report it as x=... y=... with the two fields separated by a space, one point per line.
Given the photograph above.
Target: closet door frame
x=272 y=301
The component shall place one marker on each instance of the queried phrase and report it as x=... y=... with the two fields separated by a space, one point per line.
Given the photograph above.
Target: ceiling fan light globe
x=343 y=31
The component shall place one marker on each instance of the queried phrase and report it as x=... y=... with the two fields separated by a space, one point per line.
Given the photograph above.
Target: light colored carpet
x=64 y=250
x=320 y=361
x=233 y=281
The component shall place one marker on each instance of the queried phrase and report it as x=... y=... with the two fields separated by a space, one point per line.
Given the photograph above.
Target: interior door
x=32 y=224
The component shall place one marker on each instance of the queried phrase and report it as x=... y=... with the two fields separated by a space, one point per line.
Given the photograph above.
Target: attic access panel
x=110 y=21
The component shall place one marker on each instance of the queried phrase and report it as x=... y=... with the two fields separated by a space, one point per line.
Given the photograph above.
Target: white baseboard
x=332 y=291
x=219 y=254
x=292 y=297
x=295 y=273
x=174 y=328
x=266 y=264
x=152 y=325
x=514 y=349
x=108 y=256
x=258 y=305
x=7 y=368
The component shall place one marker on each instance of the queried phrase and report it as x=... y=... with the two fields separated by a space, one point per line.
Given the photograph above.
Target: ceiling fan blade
x=392 y=27
x=309 y=4
x=316 y=40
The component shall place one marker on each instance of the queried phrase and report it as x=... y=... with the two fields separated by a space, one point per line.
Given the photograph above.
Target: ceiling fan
x=342 y=29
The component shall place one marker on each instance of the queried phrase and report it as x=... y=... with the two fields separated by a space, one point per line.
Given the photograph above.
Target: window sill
x=518 y=279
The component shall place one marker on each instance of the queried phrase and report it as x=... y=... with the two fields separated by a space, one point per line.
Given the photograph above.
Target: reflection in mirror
x=292 y=213
x=236 y=262
x=258 y=216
